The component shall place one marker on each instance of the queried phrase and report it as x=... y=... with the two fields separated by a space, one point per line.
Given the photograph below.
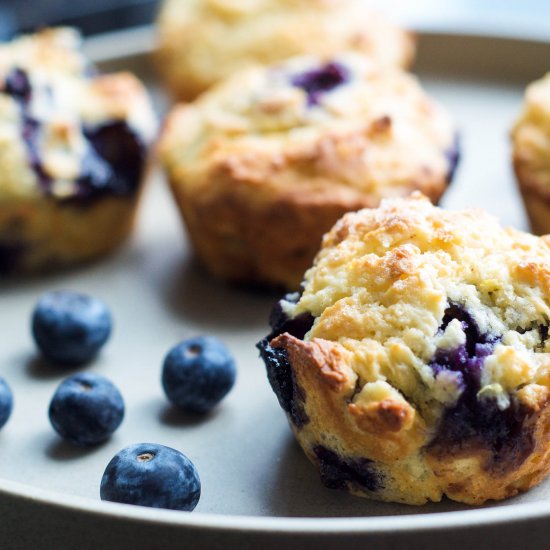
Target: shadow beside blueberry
x=62 y=451
x=192 y=293
x=39 y=368
x=170 y=415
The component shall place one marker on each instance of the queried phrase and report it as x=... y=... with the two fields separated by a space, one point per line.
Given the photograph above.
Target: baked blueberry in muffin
x=204 y=41
x=73 y=151
x=414 y=363
x=265 y=163
x=531 y=154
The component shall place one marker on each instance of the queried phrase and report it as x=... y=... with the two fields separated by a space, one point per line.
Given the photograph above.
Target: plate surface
x=258 y=488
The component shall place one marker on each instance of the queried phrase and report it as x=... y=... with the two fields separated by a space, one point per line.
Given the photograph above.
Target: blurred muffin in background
x=531 y=154
x=204 y=41
x=73 y=148
x=267 y=161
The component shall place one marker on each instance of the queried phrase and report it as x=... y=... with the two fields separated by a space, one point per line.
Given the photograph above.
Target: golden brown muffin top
x=425 y=302
x=340 y=122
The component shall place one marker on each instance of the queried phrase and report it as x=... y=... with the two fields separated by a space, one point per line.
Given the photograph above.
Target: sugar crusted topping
x=386 y=279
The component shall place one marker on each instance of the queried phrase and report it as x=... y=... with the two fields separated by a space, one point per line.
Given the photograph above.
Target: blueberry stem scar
x=145 y=457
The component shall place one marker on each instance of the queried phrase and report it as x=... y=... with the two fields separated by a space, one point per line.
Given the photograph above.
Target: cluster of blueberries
x=70 y=328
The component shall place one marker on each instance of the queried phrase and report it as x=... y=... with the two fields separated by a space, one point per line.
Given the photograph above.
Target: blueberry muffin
x=204 y=41
x=531 y=154
x=72 y=155
x=266 y=162
x=414 y=363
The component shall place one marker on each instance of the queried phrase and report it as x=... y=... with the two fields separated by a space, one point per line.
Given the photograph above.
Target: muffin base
x=44 y=234
x=246 y=234
x=536 y=200
x=386 y=452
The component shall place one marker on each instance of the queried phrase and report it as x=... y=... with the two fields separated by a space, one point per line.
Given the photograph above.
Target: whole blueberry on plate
x=198 y=373
x=70 y=327
x=86 y=409
x=6 y=402
x=152 y=475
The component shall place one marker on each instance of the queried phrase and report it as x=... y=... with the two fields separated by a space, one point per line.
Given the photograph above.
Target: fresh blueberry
x=86 y=409
x=6 y=402
x=69 y=327
x=152 y=475
x=198 y=373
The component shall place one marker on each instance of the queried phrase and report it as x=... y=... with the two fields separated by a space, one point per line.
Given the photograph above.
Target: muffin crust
x=423 y=353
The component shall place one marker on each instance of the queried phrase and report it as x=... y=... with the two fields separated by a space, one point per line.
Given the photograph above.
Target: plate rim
x=373 y=525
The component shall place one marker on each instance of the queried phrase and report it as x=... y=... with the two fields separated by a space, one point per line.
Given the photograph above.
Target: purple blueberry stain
x=282 y=380
x=474 y=420
x=452 y=154
x=279 y=370
x=114 y=159
x=17 y=85
x=543 y=333
x=30 y=131
x=467 y=359
x=280 y=322
x=320 y=81
x=337 y=472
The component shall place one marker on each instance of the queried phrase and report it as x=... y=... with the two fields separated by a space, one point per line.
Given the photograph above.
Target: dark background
x=91 y=16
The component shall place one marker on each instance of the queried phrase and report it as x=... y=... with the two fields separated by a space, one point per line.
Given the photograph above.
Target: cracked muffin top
x=337 y=126
x=415 y=363
x=203 y=41
x=65 y=132
x=417 y=296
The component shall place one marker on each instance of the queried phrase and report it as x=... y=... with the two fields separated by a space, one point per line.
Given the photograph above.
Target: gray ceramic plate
x=258 y=489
